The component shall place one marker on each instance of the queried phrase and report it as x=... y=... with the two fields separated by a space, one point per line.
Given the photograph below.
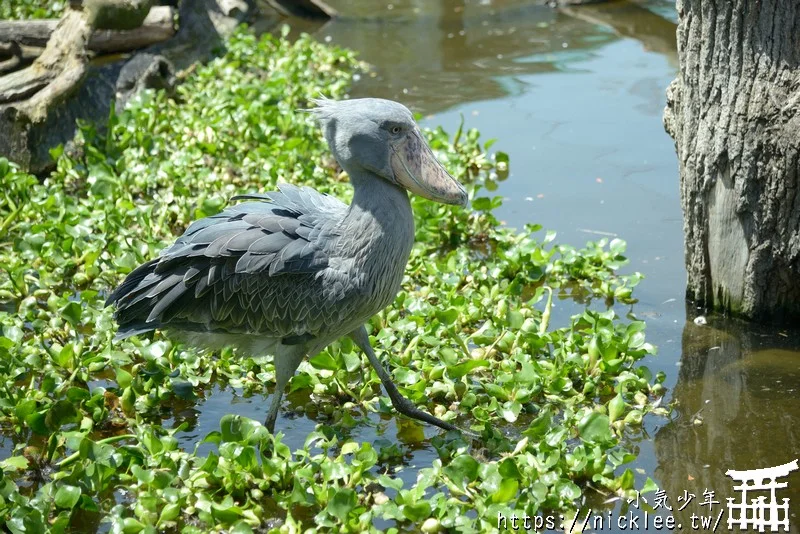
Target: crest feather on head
x=325 y=107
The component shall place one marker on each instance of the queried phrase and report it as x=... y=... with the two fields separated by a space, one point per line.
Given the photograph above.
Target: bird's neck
x=375 y=198
x=376 y=237
x=379 y=225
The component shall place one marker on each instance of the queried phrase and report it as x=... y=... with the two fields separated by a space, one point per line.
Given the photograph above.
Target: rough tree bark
x=734 y=113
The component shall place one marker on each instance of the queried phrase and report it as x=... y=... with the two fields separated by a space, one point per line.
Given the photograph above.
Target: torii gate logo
x=760 y=513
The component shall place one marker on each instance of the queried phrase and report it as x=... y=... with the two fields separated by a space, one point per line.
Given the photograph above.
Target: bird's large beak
x=417 y=169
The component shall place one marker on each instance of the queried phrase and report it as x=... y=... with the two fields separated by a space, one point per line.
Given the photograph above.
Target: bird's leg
x=400 y=403
x=274 y=407
x=286 y=364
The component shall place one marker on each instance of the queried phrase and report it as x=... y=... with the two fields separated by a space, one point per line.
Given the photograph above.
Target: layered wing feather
x=259 y=267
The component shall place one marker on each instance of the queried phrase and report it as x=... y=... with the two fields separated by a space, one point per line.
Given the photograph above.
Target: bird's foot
x=405 y=407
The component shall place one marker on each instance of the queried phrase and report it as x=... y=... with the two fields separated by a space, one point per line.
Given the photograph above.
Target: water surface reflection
x=434 y=55
x=737 y=392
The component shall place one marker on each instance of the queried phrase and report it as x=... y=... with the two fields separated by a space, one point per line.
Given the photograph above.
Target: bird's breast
x=374 y=258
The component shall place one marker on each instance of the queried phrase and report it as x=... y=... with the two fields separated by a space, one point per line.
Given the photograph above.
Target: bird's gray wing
x=256 y=267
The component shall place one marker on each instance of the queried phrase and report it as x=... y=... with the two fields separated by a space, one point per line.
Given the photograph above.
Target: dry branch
x=158 y=26
x=14 y=56
x=60 y=65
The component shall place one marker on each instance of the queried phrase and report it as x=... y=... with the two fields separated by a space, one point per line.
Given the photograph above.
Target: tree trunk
x=734 y=114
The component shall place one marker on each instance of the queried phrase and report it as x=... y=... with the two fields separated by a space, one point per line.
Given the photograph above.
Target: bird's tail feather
x=134 y=329
x=131 y=305
x=131 y=283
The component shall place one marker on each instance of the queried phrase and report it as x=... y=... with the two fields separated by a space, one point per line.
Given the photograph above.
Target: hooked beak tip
x=459 y=198
x=463 y=200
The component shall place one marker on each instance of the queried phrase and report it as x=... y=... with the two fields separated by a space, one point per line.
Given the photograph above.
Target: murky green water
x=575 y=97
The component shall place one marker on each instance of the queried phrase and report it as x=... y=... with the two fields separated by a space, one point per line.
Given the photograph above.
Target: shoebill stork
x=291 y=271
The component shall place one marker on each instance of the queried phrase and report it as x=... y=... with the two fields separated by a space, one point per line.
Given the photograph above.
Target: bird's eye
x=396 y=130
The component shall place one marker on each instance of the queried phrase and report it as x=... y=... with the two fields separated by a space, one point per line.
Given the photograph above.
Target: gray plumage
x=290 y=271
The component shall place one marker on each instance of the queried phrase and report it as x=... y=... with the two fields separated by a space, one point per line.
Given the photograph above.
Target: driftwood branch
x=14 y=56
x=62 y=63
x=27 y=32
x=40 y=103
x=158 y=26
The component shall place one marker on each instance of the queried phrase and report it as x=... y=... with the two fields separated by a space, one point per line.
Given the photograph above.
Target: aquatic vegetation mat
x=31 y=9
x=91 y=427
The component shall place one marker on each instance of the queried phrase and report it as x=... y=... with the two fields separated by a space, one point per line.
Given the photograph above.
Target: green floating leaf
x=15 y=463
x=235 y=428
x=416 y=512
x=171 y=512
x=342 y=504
x=388 y=482
x=567 y=490
x=67 y=496
x=616 y=407
x=649 y=486
x=352 y=361
x=37 y=422
x=131 y=525
x=462 y=369
x=448 y=316
x=626 y=480
x=142 y=475
x=482 y=204
x=324 y=361
x=507 y=491
x=225 y=513
x=62 y=413
x=241 y=527
x=595 y=428
x=124 y=378
x=617 y=246
x=462 y=470
x=72 y=312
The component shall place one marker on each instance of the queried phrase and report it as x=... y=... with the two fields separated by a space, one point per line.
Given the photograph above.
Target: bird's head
x=380 y=136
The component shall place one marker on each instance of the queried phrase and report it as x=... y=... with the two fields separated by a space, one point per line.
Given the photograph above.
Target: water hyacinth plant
x=92 y=440
x=31 y=9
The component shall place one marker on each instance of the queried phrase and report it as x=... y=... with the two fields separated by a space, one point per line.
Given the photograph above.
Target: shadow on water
x=737 y=392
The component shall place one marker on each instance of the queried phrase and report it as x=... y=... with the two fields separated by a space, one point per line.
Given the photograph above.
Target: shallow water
x=575 y=98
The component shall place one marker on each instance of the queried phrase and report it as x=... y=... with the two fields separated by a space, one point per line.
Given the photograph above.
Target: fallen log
x=158 y=26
